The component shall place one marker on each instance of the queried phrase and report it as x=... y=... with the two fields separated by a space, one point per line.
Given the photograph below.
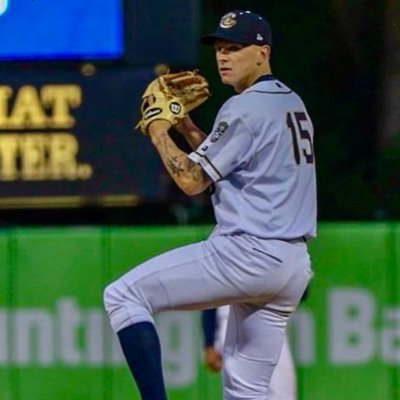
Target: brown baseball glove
x=171 y=96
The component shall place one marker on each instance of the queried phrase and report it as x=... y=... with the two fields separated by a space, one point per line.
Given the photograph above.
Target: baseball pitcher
x=259 y=161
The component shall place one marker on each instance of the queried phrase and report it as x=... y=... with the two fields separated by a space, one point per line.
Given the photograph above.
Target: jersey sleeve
x=227 y=146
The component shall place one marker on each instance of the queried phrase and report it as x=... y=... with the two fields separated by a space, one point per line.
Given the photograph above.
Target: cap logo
x=228 y=20
x=259 y=37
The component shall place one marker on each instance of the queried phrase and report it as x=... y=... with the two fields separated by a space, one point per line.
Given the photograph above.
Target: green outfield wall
x=55 y=341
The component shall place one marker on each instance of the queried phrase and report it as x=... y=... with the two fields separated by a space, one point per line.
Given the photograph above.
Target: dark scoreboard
x=71 y=77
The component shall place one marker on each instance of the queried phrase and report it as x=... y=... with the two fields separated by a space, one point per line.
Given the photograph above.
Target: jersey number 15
x=300 y=137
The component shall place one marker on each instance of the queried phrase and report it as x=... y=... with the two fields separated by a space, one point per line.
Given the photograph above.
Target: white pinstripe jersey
x=260 y=157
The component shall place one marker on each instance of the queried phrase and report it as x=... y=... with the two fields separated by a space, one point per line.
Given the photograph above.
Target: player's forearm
x=195 y=138
x=191 y=132
x=188 y=175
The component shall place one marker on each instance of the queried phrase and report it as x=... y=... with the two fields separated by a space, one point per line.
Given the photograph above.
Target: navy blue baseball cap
x=242 y=27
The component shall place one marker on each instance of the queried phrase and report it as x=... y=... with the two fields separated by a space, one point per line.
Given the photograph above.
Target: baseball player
x=259 y=162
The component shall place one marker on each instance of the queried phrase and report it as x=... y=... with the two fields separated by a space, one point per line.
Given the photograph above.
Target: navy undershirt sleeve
x=209 y=326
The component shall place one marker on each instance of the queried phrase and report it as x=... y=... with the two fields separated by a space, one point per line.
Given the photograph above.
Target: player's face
x=240 y=65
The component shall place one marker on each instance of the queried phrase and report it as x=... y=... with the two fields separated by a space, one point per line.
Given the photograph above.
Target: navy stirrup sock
x=141 y=347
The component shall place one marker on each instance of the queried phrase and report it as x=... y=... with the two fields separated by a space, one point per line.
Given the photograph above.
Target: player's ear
x=263 y=54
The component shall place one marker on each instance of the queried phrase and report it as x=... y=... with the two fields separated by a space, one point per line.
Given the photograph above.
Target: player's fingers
x=213 y=359
x=214 y=366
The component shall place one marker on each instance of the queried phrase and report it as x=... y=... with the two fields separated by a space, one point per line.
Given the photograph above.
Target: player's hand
x=171 y=96
x=213 y=359
x=158 y=126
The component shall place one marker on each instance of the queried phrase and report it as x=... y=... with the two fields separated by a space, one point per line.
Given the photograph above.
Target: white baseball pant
x=263 y=280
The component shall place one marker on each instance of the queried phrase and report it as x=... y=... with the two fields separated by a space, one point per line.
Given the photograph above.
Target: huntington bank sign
x=73 y=336
x=356 y=331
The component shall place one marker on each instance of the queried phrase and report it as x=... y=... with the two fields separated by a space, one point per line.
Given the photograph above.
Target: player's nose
x=221 y=62
x=221 y=56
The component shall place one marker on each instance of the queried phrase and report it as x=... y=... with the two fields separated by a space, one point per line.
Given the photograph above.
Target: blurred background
x=83 y=195
x=87 y=65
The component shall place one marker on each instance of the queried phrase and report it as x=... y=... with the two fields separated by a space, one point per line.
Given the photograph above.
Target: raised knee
x=125 y=307
x=109 y=296
x=115 y=305
x=116 y=296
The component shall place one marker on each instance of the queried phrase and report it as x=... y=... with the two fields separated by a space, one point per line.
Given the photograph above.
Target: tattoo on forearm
x=179 y=165
x=175 y=166
x=195 y=171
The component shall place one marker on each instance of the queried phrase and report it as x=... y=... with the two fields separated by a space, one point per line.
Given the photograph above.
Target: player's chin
x=226 y=80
